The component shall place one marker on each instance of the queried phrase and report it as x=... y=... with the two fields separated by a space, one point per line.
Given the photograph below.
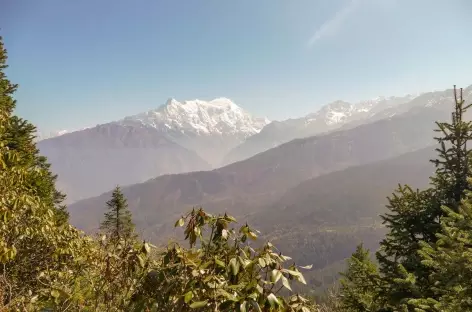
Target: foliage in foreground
x=221 y=271
x=36 y=239
x=425 y=258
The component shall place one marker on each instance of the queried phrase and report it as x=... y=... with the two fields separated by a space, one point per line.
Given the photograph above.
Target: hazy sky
x=85 y=62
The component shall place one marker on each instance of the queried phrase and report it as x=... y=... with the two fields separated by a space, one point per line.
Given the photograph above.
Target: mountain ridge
x=327 y=118
x=244 y=186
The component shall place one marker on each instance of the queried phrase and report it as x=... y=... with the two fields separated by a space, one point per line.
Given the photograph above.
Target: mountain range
x=330 y=117
x=251 y=184
x=247 y=185
x=181 y=137
x=318 y=191
x=176 y=137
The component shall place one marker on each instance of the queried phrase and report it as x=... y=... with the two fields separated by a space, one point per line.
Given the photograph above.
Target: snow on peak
x=340 y=112
x=218 y=116
x=332 y=113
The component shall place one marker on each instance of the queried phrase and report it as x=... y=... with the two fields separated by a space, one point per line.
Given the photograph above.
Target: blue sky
x=85 y=62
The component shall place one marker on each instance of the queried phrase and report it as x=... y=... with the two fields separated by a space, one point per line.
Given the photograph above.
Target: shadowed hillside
x=93 y=161
x=248 y=186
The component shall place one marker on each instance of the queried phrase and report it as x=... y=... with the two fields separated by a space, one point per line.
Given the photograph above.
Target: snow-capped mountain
x=192 y=135
x=211 y=128
x=220 y=116
x=341 y=112
x=329 y=117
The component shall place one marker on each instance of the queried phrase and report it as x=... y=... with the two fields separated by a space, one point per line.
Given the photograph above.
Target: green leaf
x=55 y=293
x=147 y=248
x=180 y=222
x=219 y=262
x=298 y=276
x=286 y=283
x=262 y=262
x=226 y=294
x=242 y=306
x=259 y=289
x=252 y=235
x=244 y=229
x=230 y=218
x=307 y=267
x=275 y=276
x=301 y=279
x=273 y=301
x=255 y=305
x=188 y=296
x=234 y=265
x=199 y=304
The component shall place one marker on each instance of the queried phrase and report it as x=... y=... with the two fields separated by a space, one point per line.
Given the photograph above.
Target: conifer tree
x=360 y=283
x=450 y=260
x=33 y=243
x=18 y=135
x=118 y=222
x=415 y=216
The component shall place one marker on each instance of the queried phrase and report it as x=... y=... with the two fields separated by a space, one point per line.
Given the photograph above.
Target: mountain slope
x=353 y=196
x=247 y=186
x=330 y=117
x=321 y=220
x=211 y=128
x=438 y=99
x=94 y=160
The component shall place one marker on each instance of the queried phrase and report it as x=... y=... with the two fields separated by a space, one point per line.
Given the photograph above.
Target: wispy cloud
x=331 y=26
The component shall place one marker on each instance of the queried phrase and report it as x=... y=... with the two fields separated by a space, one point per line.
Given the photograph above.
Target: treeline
x=424 y=262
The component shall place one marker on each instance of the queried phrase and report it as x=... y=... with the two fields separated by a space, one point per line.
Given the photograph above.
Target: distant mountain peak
x=218 y=116
x=340 y=112
x=333 y=113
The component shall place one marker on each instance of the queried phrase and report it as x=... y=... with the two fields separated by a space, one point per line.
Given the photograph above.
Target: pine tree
x=118 y=222
x=360 y=283
x=18 y=135
x=415 y=216
x=35 y=240
x=450 y=260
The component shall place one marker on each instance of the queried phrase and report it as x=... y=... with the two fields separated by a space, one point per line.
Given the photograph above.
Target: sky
x=82 y=63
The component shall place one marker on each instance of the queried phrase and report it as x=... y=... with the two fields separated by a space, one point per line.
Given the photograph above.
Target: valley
x=325 y=191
